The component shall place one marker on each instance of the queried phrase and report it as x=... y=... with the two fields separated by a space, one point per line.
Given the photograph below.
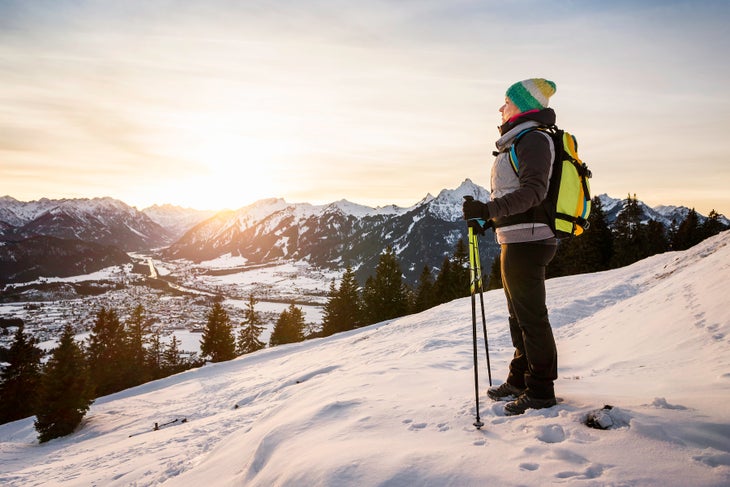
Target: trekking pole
x=480 y=287
x=473 y=275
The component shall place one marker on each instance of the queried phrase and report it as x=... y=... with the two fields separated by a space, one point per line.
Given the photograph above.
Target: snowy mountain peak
x=261 y=209
x=447 y=205
x=346 y=207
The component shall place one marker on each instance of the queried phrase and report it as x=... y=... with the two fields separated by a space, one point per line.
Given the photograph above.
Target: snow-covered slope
x=393 y=404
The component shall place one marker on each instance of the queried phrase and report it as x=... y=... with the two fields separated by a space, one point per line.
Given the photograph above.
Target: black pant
x=535 y=362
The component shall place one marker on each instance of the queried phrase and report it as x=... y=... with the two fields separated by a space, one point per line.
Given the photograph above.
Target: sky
x=393 y=404
x=215 y=104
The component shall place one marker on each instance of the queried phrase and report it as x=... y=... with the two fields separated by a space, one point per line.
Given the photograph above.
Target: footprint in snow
x=713 y=460
x=553 y=433
x=590 y=473
x=661 y=403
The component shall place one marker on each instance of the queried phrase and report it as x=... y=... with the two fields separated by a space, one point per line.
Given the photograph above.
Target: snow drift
x=393 y=404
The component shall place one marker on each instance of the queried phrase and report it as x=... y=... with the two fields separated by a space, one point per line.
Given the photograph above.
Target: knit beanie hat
x=531 y=94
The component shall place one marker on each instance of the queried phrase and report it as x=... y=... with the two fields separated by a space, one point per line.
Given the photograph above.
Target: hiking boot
x=505 y=392
x=525 y=402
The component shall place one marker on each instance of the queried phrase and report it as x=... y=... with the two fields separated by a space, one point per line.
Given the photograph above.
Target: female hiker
x=520 y=215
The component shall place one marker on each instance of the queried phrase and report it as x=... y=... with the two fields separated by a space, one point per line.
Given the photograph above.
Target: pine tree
x=445 y=285
x=329 y=311
x=137 y=330
x=369 y=298
x=672 y=233
x=689 y=233
x=172 y=361
x=461 y=268
x=657 y=241
x=350 y=306
x=454 y=277
x=495 y=274
x=600 y=237
x=217 y=342
x=425 y=295
x=107 y=354
x=19 y=380
x=627 y=234
x=712 y=225
x=289 y=327
x=384 y=296
x=343 y=310
x=248 y=336
x=153 y=356
x=65 y=392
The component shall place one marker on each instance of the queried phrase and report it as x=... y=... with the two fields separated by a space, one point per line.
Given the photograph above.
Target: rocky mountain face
x=100 y=220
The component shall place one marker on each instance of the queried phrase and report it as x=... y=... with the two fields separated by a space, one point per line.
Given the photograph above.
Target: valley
x=176 y=296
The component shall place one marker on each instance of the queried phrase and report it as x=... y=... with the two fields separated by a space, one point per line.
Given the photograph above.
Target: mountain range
x=334 y=235
x=271 y=230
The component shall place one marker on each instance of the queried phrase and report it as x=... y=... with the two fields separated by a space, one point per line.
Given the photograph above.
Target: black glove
x=476 y=214
x=474 y=209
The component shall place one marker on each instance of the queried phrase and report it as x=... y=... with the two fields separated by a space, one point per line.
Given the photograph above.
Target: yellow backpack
x=569 y=191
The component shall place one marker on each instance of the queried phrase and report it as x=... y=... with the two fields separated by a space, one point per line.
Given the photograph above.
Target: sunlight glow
x=233 y=162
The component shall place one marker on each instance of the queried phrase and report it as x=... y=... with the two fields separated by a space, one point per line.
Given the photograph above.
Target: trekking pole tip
x=478 y=424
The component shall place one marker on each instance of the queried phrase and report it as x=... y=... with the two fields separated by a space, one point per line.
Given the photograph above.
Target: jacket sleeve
x=535 y=156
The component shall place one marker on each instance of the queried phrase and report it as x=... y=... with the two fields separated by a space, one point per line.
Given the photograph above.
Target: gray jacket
x=517 y=201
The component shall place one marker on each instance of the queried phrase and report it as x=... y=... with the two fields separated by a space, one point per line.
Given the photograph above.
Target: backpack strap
x=513 y=148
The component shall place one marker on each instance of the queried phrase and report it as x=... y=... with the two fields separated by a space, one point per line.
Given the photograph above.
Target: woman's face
x=508 y=110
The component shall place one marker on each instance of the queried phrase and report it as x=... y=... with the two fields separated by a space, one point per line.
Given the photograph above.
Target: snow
x=285 y=277
x=362 y=211
x=225 y=261
x=393 y=404
x=111 y=273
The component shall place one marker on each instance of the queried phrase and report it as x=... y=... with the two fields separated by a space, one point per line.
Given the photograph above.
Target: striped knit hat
x=531 y=94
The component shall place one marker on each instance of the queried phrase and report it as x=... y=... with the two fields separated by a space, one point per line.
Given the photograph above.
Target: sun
x=225 y=158
x=235 y=168
x=231 y=161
